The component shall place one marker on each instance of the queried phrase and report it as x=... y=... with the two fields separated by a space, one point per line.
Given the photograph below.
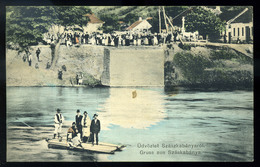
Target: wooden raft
x=100 y=148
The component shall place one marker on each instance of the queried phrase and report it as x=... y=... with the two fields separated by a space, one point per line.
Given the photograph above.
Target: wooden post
x=170 y=23
x=165 y=20
x=172 y=27
x=160 y=25
x=169 y=20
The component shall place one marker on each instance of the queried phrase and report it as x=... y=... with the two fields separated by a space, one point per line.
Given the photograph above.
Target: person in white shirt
x=58 y=120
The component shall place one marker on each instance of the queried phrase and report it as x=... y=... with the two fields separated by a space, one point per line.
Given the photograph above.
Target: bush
x=185 y=46
x=90 y=80
x=192 y=66
x=223 y=54
x=230 y=55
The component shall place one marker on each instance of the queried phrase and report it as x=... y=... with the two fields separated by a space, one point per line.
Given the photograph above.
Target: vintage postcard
x=129 y=84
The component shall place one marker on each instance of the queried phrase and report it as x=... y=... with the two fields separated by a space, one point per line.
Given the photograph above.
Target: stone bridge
x=135 y=66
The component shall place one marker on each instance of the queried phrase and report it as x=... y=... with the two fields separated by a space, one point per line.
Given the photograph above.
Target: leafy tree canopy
x=26 y=24
x=205 y=22
x=111 y=22
x=130 y=18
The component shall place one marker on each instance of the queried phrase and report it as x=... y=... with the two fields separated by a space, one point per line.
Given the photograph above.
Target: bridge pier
x=135 y=66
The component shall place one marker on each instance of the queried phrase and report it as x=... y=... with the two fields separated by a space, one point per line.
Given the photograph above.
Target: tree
x=205 y=22
x=26 y=25
x=111 y=22
x=130 y=18
x=67 y=16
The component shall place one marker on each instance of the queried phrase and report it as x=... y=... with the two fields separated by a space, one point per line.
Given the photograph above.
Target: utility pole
x=160 y=25
x=165 y=20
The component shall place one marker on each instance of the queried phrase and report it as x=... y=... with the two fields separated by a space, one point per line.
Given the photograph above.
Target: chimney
x=140 y=18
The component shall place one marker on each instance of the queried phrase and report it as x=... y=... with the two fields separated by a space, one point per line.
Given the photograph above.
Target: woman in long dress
x=106 y=40
x=93 y=40
x=85 y=122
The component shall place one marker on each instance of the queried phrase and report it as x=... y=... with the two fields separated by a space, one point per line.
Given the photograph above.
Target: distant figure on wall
x=60 y=74
x=38 y=51
x=48 y=65
x=24 y=58
x=77 y=79
x=30 y=59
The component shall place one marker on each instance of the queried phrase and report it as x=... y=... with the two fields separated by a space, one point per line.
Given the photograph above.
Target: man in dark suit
x=78 y=122
x=95 y=128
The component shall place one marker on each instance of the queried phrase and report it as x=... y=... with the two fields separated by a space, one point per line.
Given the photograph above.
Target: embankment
x=205 y=67
x=135 y=66
x=85 y=59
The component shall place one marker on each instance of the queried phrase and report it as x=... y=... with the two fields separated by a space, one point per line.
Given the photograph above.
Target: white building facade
x=241 y=31
x=94 y=24
x=140 y=26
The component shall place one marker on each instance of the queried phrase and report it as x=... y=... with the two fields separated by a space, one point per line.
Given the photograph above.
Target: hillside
x=228 y=12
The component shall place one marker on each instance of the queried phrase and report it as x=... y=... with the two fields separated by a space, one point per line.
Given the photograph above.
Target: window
x=242 y=31
x=237 y=31
x=234 y=30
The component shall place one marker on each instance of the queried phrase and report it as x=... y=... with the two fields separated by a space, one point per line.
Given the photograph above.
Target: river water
x=156 y=125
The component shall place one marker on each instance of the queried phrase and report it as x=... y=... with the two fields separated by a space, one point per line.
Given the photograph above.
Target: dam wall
x=134 y=67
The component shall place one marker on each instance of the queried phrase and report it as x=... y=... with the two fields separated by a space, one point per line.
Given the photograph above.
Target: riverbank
x=206 y=67
x=188 y=66
x=85 y=60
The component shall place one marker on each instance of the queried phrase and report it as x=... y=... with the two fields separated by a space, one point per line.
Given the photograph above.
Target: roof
x=93 y=18
x=134 y=25
x=229 y=14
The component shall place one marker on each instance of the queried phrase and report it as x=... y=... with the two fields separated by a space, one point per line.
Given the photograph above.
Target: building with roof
x=140 y=26
x=239 y=26
x=93 y=24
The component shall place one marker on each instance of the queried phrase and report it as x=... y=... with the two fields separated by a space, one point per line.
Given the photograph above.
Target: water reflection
x=140 y=112
x=222 y=121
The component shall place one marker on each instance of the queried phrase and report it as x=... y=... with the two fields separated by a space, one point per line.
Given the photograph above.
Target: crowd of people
x=82 y=130
x=113 y=39
x=27 y=57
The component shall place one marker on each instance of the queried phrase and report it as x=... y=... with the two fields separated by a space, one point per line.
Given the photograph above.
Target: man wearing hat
x=73 y=138
x=58 y=119
x=85 y=127
x=95 y=129
x=78 y=119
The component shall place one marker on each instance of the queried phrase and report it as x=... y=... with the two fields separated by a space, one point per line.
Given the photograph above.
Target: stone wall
x=109 y=66
x=140 y=66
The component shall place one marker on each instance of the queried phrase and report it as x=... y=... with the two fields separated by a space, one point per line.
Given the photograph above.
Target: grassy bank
x=204 y=67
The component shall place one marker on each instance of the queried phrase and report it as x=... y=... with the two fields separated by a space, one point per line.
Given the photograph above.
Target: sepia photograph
x=129 y=83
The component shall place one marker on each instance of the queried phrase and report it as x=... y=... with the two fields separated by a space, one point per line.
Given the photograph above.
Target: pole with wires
x=160 y=25
x=165 y=21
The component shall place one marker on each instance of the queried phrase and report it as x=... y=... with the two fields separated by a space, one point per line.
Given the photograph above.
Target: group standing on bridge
x=82 y=130
x=113 y=39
